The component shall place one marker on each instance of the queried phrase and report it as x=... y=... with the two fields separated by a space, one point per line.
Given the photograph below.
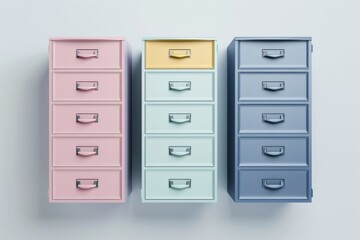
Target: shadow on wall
x=136 y=121
x=255 y=211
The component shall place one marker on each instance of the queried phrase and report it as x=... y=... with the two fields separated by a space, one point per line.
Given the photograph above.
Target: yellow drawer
x=178 y=54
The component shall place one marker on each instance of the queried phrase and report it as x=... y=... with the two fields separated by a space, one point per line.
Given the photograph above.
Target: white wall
x=25 y=27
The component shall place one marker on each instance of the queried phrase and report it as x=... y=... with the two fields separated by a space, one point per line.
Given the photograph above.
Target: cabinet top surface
x=272 y=38
x=178 y=39
x=86 y=39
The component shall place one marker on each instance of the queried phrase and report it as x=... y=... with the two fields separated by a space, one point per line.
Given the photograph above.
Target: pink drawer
x=86 y=184
x=81 y=151
x=78 y=86
x=93 y=118
x=84 y=54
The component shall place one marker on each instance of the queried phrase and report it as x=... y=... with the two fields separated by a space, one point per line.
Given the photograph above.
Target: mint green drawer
x=179 y=151
x=179 y=185
x=169 y=118
x=179 y=86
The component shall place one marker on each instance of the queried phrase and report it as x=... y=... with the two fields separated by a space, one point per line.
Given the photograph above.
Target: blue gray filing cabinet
x=269 y=119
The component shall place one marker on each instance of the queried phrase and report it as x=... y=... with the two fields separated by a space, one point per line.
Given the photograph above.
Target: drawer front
x=84 y=54
x=273 y=185
x=179 y=185
x=273 y=86
x=273 y=54
x=81 y=151
x=179 y=151
x=77 y=86
x=179 y=86
x=87 y=54
x=86 y=184
x=273 y=119
x=179 y=118
x=86 y=118
x=179 y=54
x=273 y=151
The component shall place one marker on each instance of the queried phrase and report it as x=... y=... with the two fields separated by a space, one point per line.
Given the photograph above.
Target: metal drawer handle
x=179 y=85
x=179 y=117
x=179 y=53
x=87 y=86
x=179 y=151
x=179 y=184
x=273 y=86
x=87 y=150
x=86 y=184
x=87 y=53
x=271 y=151
x=273 y=53
x=273 y=184
x=87 y=117
x=273 y=118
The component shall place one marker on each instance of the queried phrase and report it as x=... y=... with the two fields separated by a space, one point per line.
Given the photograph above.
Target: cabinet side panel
x=310 y=50
x=142 y=138
x=126 y=93
x=50 y=120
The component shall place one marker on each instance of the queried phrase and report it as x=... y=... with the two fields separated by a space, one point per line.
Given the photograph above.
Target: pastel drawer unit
x=179 y=151
x=179 y=185
x=269 y=119
x=86 y=152
x=90 y=118
x=86 y=54
x=180 y=86
x=179 y=54
x=273 y=118
x=273 y=53
x=179 y=118
x=273 y=86
x=86 y=86
x=273 y=151
x=270 y=185
x=86 y=185
x=89 y=115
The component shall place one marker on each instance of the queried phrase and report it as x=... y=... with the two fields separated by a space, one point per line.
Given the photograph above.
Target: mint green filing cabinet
x=179 y=120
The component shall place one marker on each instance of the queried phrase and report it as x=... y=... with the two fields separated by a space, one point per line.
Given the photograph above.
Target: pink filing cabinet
x=89 y=120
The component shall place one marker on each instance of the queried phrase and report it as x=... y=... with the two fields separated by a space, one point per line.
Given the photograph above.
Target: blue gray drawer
x=192 y=151
x=273 y=151
x=273 y=54
x=179 y=184
x=273 y=118
x=273 y=86
x=179 y=86
x=179 y=118
x=273 y=185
